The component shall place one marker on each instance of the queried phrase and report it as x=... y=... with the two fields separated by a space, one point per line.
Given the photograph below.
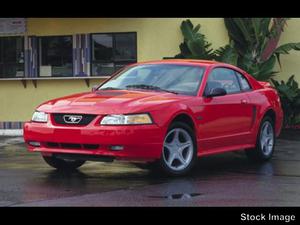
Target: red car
x=164 y=113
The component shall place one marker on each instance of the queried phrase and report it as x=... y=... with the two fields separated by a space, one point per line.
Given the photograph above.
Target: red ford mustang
x=164 y=113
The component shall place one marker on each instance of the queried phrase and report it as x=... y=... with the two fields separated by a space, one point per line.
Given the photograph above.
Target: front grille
x=52 y=145
x=85 y=120
x=71 y=146
x=90 y=146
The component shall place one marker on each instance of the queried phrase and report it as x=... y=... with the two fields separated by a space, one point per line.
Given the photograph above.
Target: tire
x=62 y=164
x=265 y=142
x=178 y=155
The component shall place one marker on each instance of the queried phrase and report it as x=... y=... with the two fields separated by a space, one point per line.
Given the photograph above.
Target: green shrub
x=289 y=93
x=253 y=45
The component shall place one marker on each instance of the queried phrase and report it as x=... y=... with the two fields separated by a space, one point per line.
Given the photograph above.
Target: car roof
x=184 y=61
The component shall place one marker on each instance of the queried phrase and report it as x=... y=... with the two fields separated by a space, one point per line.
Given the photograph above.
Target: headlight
x=39 y=117
x=126 y=119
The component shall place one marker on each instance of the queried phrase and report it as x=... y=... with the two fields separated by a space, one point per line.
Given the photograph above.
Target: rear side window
x=223 y=78
x=244 y=82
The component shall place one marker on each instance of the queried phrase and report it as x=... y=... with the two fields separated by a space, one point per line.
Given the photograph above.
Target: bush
x=289 y=93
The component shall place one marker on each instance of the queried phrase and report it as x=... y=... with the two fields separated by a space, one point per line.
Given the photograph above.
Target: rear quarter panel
x=265 y=99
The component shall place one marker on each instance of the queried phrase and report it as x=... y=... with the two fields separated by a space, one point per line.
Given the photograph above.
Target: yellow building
x=70 y=55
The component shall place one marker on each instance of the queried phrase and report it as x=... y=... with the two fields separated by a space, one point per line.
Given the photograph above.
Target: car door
x=226 y=119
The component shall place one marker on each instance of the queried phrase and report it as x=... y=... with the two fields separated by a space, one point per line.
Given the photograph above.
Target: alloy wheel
x=178 y=149
x=267 y=138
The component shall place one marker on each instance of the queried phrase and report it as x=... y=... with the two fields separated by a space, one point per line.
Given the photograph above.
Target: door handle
x=244 y=101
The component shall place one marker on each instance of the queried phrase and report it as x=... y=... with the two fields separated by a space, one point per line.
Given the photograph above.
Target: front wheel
x=62 y=164
x=179 y=151
x=265 y=143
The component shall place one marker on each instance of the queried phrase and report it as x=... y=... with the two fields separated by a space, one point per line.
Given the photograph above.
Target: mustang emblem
x=73 y=119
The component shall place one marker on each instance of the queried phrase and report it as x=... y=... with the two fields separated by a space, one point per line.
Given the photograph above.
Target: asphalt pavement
x=228 y=179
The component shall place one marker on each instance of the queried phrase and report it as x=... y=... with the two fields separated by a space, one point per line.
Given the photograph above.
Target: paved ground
x=224 y=180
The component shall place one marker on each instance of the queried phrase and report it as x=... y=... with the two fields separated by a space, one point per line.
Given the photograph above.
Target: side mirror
x=216 y=92
x=94 y=88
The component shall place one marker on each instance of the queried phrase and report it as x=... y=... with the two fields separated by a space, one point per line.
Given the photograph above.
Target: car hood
x=110 y=102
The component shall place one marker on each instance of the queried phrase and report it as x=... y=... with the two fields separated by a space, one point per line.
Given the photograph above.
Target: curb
x=11 y=132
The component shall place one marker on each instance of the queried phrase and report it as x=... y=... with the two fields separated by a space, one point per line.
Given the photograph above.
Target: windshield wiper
x=109 y=88
x=149 y=87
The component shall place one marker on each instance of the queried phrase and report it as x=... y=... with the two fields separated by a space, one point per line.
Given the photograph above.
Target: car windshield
x=181 y=79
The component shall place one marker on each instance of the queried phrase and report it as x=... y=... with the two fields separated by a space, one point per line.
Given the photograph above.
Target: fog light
x=116 y=147
x=35 y=143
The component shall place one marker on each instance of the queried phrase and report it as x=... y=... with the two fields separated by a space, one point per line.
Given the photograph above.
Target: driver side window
x=223 y=78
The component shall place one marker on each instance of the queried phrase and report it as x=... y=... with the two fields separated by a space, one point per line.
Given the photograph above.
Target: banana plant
x=289 y=93
x=226 y=54
x=256 y=42
x=195 y=45
x=253 y=45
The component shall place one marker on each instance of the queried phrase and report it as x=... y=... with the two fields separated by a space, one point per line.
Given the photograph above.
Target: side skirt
x=225 y=149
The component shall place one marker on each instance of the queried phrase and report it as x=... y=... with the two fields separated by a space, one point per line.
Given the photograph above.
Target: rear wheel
x=265 y=143
x=63 y=164
x=179 y=150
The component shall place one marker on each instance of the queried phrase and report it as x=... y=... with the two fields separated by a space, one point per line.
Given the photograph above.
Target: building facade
x=53 y=57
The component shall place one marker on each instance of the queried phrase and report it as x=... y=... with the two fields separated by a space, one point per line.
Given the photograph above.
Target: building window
x=11 y=57
x=112 y=51
x=56 y=56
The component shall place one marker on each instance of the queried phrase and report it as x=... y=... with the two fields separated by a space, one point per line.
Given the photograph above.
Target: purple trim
x=31 y=54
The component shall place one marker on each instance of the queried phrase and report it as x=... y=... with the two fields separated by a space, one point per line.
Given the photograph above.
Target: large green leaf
x=256 y=25
x=187 y=30
x=199 y=49
x=275 y=82
x=290 y=80
x=247 y=63
x=285 y=49
x=292 y=83
x=226 y=54
x=185 y=52
x=287 y=92
x=196 y=47
x=197 y=28
x=235 y=35
x=262 y=71
x=265 y=24
x=266 y=69
x=297 y=120
x=240 y=23
x=297 y=101
x=266 y=76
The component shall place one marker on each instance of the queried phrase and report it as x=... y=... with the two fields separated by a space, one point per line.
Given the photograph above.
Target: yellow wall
x=291 y=62
x=156 y=38
x=18 y=103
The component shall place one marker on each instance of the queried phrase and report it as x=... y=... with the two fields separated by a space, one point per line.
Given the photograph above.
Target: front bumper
x=140 y=142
